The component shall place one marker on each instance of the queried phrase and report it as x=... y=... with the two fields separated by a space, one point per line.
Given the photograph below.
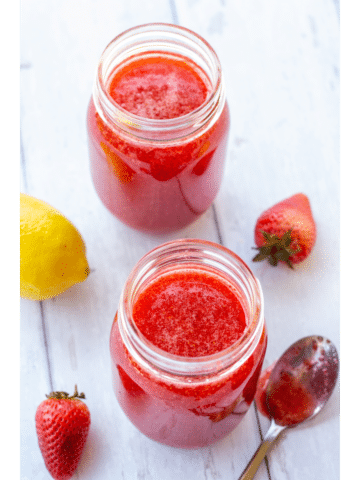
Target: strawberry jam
x=158 y=87
x=186 y=346
x=189 y=313
x=157 y=131
x=290 y=401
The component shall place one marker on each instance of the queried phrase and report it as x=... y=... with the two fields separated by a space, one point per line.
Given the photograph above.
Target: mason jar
x=187 y=343
x=158 y=124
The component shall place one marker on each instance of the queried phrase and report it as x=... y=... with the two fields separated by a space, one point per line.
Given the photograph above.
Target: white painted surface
x=281 y=65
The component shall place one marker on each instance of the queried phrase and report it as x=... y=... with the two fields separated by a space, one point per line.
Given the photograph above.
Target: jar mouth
x=161 y=38
x=186 y=252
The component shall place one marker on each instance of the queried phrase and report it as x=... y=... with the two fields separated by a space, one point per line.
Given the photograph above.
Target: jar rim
x=145 y=351
x=134 y=37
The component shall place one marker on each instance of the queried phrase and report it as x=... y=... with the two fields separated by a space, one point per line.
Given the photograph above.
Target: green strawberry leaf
x=276 y=249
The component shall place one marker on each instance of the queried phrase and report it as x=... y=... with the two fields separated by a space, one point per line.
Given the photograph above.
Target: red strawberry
x=286 y=232
x=62 y=426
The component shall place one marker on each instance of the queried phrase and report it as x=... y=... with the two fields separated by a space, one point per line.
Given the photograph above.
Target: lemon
x=52 y=251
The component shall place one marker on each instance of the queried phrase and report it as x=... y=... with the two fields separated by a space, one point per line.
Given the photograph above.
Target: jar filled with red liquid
x=158 y=124
x=187 y=343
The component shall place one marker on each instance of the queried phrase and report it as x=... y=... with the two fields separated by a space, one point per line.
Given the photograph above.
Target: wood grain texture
x=281 y=66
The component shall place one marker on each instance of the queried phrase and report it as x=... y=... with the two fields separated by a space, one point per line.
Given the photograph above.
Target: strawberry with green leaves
x=286 y=232
x=62 y=427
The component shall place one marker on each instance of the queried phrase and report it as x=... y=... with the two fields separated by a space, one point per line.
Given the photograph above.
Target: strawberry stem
x=276 y=249
x=65 y=395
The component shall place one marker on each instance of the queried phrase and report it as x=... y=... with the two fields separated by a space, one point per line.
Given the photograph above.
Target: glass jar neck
x=206 y=256
x=164 y=39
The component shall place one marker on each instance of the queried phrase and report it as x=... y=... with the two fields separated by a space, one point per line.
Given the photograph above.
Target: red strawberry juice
x=157 y=132
x=181 y=372
x=158 y=86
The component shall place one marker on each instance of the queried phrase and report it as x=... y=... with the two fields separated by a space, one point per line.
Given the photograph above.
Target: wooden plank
x=34 y=383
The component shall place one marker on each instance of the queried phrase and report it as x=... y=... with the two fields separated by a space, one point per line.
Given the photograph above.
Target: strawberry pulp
x=289 y=403
x=158 y=88
x=188 y=313
x=159 y=184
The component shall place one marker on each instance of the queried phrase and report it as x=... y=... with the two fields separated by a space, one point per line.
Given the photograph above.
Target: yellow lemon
x=52 y=251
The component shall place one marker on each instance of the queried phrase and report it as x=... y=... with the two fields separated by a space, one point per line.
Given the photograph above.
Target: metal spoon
x=306 y=372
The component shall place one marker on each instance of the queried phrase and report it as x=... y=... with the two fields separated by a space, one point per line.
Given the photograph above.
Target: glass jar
x=158 y=174
x=188 y=401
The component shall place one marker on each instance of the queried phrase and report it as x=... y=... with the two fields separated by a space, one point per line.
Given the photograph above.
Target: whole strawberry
x=286 y=232
x=62 y=426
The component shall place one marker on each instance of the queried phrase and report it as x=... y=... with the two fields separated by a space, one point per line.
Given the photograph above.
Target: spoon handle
x=269 y=439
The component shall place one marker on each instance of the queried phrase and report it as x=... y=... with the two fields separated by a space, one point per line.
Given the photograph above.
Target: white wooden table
x=281 y=66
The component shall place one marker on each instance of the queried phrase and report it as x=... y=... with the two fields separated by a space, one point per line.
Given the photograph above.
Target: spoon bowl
x=300 y=384
x=302 y=380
